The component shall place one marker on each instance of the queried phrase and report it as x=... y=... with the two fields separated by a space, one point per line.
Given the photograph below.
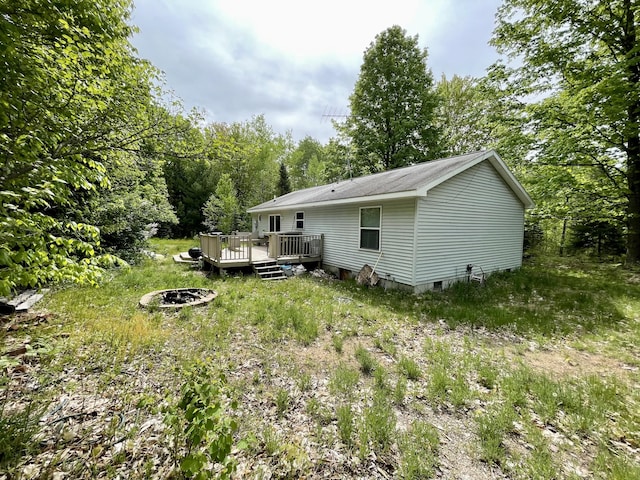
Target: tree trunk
x=633 y=138
x=563 y=237
x=633 y=209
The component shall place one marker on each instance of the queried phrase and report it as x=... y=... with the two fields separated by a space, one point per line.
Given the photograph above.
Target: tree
x=284 y=186
x=136 y=200
x=580 y=61
x=393 y=104
x=463 y=115
x=191 y=173
x=338 y=154
x=306 y=164
x=72 y=93
x=222 y=209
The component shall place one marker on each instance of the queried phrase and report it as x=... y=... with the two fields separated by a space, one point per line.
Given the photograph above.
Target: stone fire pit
x=178 y=298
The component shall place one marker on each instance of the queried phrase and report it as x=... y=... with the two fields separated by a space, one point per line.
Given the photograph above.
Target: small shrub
x=201 y=423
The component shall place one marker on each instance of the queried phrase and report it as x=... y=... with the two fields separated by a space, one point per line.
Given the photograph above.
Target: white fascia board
x=511 y=180
x=372 y=198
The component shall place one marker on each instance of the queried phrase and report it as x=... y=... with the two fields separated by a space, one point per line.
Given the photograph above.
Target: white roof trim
x=342 y=201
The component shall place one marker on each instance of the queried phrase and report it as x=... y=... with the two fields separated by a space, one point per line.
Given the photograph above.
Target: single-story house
x=420 y=227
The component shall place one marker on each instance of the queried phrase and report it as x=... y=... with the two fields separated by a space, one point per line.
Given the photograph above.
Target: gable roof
x=413 y=181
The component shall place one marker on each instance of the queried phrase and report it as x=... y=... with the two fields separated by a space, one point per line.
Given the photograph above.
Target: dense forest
x=96 y=156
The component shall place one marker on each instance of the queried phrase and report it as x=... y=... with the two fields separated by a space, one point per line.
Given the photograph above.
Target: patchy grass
x=534 y=375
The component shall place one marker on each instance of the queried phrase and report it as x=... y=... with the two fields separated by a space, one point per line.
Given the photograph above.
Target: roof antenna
x=332 y=113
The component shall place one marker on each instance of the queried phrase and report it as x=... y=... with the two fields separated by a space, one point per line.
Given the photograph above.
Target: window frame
x=299 y=222
x=362 y=228
x=279 y=221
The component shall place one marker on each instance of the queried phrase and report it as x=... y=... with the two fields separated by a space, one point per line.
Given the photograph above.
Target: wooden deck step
x=269 y=270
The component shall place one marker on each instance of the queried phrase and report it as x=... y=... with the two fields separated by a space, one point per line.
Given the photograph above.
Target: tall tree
x=580 y=59
x=72 y=93
x=305 y=164
x=222 y=209
x=462 y=115
x=338 y=154
x=284 y=185
x=392 y=105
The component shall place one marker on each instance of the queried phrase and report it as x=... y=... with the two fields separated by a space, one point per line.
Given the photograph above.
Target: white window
x=370 y=221
x=274 y=223
x=299 y=220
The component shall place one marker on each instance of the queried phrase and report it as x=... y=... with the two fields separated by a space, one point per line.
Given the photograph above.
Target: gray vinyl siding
x=473 y=218
x=287 y=221
x=340 y=226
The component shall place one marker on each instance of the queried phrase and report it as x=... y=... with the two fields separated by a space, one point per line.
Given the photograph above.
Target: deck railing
x=221 y=248
x=218 y=248
x=297 y=245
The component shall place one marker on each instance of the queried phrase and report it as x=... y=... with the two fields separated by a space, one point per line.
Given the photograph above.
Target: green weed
x=378 y=425
x=304 y=381
x=386 y=343
x=282 y=401
x=16 y=432
x=493 y=425
x=345 y=423
x=338 y=343
x=418 y=451
x=344 y=380
x=409 y=368
x=400 y=391
x=367 y=363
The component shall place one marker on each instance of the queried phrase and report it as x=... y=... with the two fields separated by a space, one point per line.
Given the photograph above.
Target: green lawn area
x=533 y=375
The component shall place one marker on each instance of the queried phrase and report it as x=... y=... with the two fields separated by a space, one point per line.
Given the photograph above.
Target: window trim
x=296 y=220
x=378 y=229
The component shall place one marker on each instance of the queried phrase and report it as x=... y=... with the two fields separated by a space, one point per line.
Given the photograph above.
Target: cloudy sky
x=297 y=61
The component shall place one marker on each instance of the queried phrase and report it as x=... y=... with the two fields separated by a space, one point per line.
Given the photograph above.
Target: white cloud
x=294 y=60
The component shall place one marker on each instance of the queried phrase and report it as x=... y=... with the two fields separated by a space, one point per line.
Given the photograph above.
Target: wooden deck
x=236 y=251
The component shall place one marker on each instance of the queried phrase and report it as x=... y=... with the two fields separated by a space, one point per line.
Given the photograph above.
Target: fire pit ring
x=174 y=298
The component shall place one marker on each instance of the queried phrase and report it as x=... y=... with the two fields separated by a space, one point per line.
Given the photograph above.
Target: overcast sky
x=297 y=61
